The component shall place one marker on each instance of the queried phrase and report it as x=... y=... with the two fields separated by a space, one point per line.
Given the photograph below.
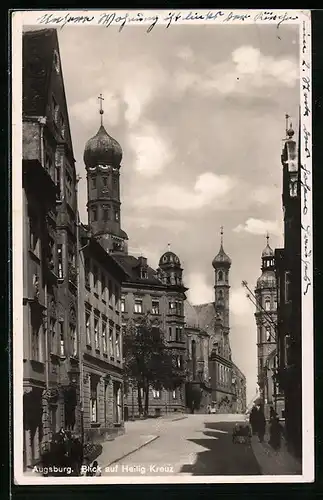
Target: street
x=193 y=445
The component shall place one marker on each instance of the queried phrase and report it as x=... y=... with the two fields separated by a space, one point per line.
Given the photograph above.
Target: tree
x=193 y=396
x=149 y=362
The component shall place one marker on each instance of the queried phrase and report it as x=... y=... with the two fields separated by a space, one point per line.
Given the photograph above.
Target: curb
x=178 y=418
x=132 y=451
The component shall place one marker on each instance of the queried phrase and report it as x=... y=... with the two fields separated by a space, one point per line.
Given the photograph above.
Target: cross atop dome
x=101 y=98
x=222 y=259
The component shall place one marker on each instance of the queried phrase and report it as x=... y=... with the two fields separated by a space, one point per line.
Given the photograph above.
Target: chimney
x=142 y=261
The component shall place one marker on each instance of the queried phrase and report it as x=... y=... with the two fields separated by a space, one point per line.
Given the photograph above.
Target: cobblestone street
x=190 y=445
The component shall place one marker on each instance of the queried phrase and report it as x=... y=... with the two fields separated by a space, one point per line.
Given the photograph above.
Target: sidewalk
x=275 y=462
x=123 y=446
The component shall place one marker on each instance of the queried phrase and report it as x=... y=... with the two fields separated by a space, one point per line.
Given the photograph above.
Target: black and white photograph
x=162 y=247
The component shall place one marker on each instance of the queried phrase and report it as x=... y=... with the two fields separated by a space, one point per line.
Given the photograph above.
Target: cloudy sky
x=200 y=114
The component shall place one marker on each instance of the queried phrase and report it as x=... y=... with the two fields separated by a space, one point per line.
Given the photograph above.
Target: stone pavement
x=275 y=462
x=138 y=434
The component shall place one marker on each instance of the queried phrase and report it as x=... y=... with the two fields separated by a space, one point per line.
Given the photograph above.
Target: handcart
x=241 y=434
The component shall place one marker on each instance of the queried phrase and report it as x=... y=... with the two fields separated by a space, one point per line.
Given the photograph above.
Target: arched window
x=220 y=275
x=267 y=304
x=220 y=294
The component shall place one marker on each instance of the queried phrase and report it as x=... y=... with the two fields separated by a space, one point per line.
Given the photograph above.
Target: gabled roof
x=130 y=265
x=206 y=316
x=38 y=47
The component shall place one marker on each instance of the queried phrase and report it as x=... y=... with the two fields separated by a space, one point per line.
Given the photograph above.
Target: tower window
x=267 y=305
x=93 y=182
x=220 y=275
x=116 y=215
x=104 y=181
x=94 y=214
x=106 y=214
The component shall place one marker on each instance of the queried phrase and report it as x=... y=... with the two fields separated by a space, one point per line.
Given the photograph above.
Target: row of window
x=56 y=340
x=158 y=394
x=105 y=213
x=176 y=307
x=95 y=416
x=106 y=337
x=104 y=181
x=97 y=281
x=223 y=374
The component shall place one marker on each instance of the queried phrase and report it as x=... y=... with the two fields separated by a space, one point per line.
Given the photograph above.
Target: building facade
x=239 y=390
x=289 y=310
x=266 y=321
x=51 y=364
x=161 y=294
x=214 y=318
x=198 y=389
x=101 y=341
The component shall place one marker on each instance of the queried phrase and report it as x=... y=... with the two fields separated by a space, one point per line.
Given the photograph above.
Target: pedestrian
x=76 y=454
x=261 y=424
x=253 y=419
x=96 y=469
x=275 y=431
x=272 y=414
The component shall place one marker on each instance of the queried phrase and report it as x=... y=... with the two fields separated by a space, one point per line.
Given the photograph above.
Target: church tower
x=266 y=320
x=102 y=158
x=222 y=264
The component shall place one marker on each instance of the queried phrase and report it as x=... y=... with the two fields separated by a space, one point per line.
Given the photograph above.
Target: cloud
x=185 y=53
x=87 y=110
x=258 y=226
x=199 y=291
x=208 y=189
x=137 y=221
x=143 y=80
x=152 y=255
x=248 y=69
x=152 y=151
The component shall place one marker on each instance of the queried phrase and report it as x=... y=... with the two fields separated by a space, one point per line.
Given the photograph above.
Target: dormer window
x=143 y=274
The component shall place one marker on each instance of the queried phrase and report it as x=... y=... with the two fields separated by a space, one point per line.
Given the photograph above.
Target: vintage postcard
x=162 y=247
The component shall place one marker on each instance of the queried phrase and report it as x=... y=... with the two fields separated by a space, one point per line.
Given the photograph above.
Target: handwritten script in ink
x=306 y=159
x=120 y=19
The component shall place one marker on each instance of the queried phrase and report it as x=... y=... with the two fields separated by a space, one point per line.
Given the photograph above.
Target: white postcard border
x=147 y=19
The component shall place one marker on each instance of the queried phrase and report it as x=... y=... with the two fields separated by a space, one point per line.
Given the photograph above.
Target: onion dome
x=221 y=259
x=267 y=280
x=102 y=149
x=169 y=258
x=267 y=252
x=191 y=316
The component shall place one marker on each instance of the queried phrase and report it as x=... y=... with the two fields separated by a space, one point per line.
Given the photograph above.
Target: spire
x=267 y=238
x=221 y=258
x=101 y=98
x=168 y=247
x=289 y=130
